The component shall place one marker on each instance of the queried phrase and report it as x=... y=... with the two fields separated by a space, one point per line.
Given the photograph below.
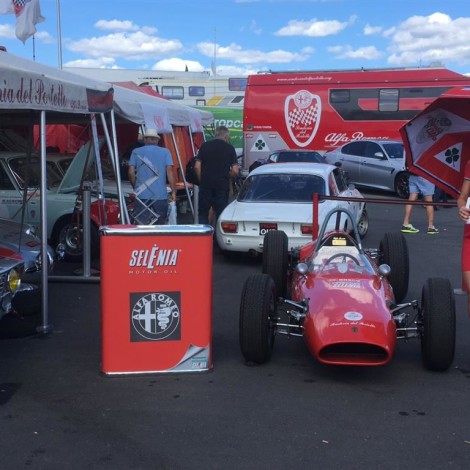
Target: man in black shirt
x=216 y=162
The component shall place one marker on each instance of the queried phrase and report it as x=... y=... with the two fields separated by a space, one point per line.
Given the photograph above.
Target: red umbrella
x=437 y=140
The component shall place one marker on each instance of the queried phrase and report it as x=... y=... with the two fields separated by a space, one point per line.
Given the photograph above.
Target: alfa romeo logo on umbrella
x=302 y=113
x=155 y=316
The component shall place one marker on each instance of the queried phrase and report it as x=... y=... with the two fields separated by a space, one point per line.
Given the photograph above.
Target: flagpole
x=59 y=34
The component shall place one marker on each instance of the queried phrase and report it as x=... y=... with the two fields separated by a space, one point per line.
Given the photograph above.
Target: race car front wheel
x=257 y=314
x=438 y=324
x=275 y=259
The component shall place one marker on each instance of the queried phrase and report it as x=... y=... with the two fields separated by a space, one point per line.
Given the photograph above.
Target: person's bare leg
x=409 y=208
x=429 y=211
x=466 y=280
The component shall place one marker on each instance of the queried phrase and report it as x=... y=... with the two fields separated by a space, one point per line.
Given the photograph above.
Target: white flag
x=28 y=15
x=6 y=7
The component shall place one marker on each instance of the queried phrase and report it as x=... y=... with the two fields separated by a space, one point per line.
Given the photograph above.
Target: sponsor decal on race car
x=353 y=316
x=346 y=284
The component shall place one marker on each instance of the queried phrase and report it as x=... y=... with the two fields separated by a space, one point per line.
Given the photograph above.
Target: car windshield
x=307 y=157
x=395 y=150
x=29 y=171
x=281 y=188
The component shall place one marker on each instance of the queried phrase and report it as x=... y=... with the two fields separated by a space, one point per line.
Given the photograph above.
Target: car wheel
x=363 y=224
x=275 y=259
x=27 y=301
x=394 y=252
x=70 y=235
x=13 y=325
x=438 y=317
x=401 y=185
x=257 y=311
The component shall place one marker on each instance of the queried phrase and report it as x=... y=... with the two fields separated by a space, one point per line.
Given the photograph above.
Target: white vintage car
x=279 y=197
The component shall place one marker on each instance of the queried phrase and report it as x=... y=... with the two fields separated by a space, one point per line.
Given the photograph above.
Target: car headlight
x=14 y=280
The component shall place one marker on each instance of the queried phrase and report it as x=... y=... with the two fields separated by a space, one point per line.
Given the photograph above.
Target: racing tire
x=438 y=317
x=275 y=259
x=394 y=252
x=401 y=185
x=257 y=312
x=363 y=224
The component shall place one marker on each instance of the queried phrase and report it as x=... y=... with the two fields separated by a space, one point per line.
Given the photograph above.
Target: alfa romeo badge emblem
x=302 y=113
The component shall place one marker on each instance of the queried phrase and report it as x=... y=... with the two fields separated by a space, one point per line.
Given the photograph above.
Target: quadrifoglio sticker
x=155 y=316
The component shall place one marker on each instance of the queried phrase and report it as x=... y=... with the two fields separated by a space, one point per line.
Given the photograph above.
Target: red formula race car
x=344 y=301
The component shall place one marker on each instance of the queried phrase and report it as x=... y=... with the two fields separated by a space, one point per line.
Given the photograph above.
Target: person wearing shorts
x=419 y=185
x=464 y=214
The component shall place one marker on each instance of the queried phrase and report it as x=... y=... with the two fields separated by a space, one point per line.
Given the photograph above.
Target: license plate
x=266 y=227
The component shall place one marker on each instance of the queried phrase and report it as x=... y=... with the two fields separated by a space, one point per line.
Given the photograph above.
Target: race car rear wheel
x=438 y=321
x=275 y=259
x=257 y=313
x=394 y=252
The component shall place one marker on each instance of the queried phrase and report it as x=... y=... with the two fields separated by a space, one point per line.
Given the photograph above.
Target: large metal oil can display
x=156 y=299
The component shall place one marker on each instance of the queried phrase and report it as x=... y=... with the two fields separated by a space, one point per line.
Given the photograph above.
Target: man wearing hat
x=150 y=167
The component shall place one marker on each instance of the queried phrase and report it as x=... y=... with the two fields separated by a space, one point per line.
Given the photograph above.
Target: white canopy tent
x=28 y=92
x=161 y=114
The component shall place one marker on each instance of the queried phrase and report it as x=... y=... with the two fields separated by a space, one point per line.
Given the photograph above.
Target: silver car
x=24 y=239
x=378 y=164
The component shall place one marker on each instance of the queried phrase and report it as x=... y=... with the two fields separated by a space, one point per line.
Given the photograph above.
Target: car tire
x=13 y=325
x=401 y=185
x=67 y=233
x=438 y=320
x=257 y=311
x=363 y=224
x=275 y=259
x=394 y=252
x=27 y=302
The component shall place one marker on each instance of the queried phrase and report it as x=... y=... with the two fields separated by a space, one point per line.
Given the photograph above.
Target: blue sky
x=247 y=36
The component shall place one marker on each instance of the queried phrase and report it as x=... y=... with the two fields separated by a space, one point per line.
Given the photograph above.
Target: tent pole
x=113 y=149
x=182 y=172
x=45 y=327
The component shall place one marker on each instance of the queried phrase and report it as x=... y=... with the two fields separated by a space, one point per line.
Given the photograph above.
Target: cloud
x=7 y=31
x=314 y=28
x=363 y=53
x=116 y=25
x=177 y=64
x=424 y=39
x=237 y=54
x=136 y=45
x=369 y=30
x=102 y=63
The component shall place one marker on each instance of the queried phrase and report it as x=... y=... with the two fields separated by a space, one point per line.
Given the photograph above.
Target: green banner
x=232 y=118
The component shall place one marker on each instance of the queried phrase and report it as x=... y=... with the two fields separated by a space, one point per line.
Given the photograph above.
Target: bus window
x=196 y=91
x=237 y=84
x=173 y=92
x=388 y=99
x=340 y=96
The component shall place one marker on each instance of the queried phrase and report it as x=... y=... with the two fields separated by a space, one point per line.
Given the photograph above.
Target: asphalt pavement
x=58 y=411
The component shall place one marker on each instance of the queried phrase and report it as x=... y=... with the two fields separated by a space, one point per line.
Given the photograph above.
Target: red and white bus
x=322 y=110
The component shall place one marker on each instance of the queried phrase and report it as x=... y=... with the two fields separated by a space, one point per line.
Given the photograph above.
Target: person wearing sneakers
x=419 y=185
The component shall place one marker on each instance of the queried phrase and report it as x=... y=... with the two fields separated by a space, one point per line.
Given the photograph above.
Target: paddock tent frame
x=28 y=92
x=176 y=122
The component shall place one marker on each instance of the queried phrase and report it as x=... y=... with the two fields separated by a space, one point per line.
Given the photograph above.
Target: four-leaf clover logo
x=452 y=155
x=260 y=144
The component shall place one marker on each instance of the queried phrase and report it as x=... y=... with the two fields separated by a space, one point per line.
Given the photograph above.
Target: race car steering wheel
x=342 y=255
